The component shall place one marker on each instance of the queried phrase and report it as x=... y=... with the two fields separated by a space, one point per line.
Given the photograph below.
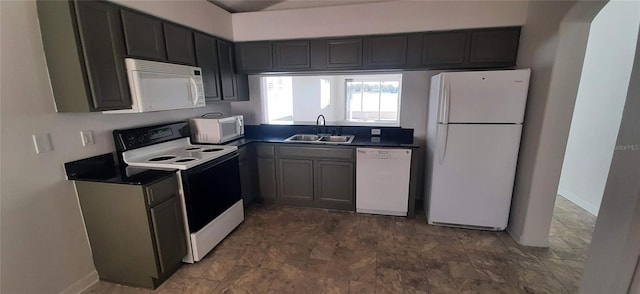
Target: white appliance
x=208 y=177
x=473 y=137
x=382 y=181
x=217 y=130
x=157 y=86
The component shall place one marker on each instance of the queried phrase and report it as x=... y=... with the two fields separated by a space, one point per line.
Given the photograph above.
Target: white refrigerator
x=473 y=137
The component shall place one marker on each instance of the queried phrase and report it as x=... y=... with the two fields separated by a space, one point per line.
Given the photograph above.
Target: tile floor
x=298 y=250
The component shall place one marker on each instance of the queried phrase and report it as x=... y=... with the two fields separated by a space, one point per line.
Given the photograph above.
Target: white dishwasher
x=382 y=181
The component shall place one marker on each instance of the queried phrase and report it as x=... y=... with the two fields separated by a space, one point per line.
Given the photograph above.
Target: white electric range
x=208 y=177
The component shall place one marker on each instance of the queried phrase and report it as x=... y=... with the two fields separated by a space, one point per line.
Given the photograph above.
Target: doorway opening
x=597 y=114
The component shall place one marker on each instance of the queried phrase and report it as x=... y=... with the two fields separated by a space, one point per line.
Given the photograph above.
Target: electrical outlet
x=42 y=142
x=375 y=132
x=87 y=138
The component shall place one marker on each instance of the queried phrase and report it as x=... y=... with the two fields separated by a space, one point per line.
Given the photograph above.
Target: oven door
x=210 y=189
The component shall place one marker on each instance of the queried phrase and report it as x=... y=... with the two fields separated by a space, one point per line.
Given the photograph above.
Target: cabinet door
x=247 y=169
x=267 y=177
x=292 y=55
x=387 y=51
x=228 y=82
x=498 y=46
x=179 y=43
x=207 y=60
x=169 y=233
x=101 y=38
x=254 y=57
x=335 y=188
x=344 y=53
x=444 y=49
x=143 y=35
x=295 y=181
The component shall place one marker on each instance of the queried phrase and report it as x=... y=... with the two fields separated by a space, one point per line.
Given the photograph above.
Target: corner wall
x=615 y=247
x=553 y=44
x=44 y=245
x=598 y=109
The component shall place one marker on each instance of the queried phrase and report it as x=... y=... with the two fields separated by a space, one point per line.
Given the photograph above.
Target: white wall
x=197 y=14
x=615 y=246
x=44 y=246
x=376 y=18
x=552 y=44
x=601 y=96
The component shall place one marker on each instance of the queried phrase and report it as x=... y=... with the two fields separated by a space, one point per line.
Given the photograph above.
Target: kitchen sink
x=307 y=138
x=337 y=139
x=303 y=138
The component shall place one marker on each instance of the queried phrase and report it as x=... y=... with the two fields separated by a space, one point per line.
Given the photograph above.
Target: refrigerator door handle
x=445 y=102
x=441 y=138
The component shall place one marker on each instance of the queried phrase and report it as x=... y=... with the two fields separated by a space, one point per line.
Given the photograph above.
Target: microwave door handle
x=194 y=92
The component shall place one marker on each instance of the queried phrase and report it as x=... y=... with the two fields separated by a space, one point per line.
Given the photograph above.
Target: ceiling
x=234 y=6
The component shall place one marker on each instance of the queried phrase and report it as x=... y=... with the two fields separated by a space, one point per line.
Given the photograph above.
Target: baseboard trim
x=527 y=241
x=578 y=201
x=82 y=284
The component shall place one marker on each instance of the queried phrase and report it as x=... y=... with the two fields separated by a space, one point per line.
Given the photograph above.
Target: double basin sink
x=325 y=139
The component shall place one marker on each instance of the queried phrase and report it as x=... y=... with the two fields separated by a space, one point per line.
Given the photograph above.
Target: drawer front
x=316 y=152
x=265 y=150
x=161 y=191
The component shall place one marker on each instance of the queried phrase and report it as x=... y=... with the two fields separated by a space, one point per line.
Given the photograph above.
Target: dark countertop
x=102 y=168
x=390 y=137
x=358 y=141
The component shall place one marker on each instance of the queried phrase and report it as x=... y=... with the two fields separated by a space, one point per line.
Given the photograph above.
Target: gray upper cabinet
x=144 y=35
x=443 y=49
x=254 y=56
x=207 y=59
x=234 y=87
x=494 y=46
x=179 y=44
x=294 y=55
x=386 y=51
x=344 y=53
x=84 y=48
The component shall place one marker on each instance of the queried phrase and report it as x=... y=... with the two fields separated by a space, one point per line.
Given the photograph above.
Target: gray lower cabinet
x=334 y=184
x=267 y=178
x=295 y=181
x=308 y=176
x=248 y=177
x=137 y=233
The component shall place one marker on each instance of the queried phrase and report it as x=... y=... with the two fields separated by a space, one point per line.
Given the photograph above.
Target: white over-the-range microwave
x=157 y=86
x=217 y=130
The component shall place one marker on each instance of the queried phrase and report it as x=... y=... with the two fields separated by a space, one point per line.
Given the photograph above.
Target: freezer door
x=483 y=96
x=473 y=173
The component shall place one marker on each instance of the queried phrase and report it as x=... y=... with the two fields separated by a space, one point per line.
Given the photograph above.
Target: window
x=372 y=99
x=279 y=98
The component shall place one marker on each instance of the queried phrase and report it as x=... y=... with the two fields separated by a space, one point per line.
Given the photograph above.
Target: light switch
x=42 y=142
x=87 y=137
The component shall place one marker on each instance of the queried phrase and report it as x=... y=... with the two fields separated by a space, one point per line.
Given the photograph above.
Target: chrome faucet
x=324 y=122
